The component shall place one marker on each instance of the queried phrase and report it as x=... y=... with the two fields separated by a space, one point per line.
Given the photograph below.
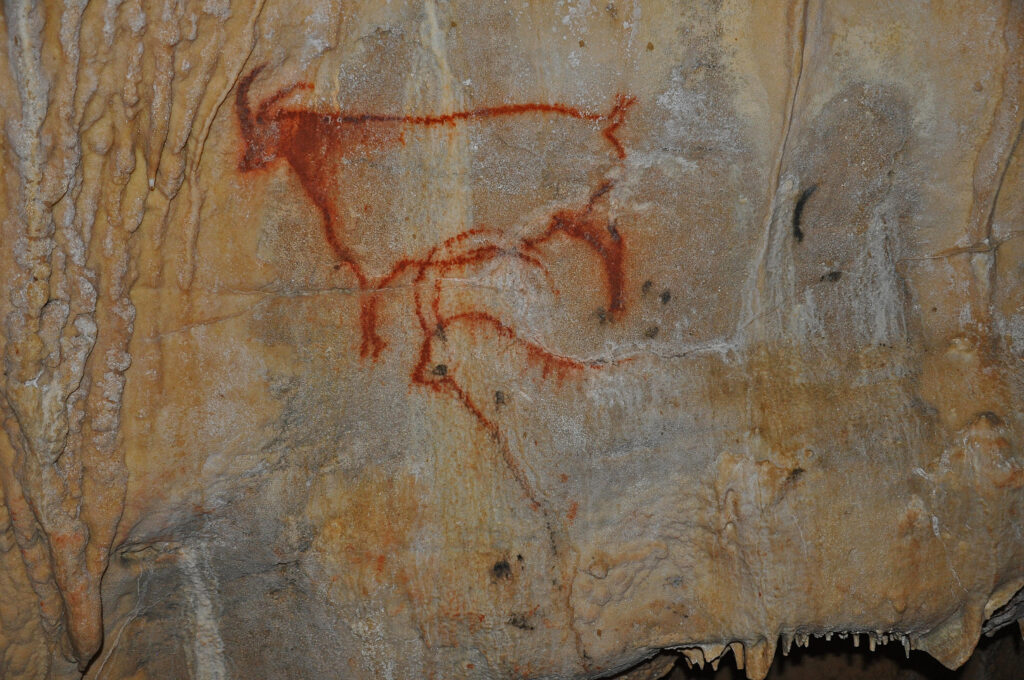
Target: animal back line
x=456 y=116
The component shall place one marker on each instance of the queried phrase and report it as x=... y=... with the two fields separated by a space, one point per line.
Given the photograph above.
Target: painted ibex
x=313 y=142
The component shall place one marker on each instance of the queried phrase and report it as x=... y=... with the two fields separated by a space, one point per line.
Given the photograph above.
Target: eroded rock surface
x=393 y=339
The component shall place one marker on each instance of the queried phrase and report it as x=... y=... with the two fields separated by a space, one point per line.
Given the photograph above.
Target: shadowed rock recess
x=526 y=339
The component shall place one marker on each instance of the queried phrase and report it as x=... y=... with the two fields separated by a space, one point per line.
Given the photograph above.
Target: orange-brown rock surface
x=400 y=339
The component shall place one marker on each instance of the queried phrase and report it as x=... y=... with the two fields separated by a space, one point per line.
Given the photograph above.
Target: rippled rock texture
x=401 y=339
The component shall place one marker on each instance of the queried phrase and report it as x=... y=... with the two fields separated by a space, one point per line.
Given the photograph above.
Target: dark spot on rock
x=502 y=570
x=651 y=332
x=990 y=418
x=665 y=297
x=650 y=47
x=439 y=333
x=519 y=621
x=798 y=211
x=499 y=398
x=832 y=276
x=601 y=314
x=583 y=44
x=646 y=288
x=520 y=559
x=795 y=474
x=441 y=370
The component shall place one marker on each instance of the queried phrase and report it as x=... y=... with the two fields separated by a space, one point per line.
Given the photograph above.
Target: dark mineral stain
x=440 y=370
x=990 y=418
x=798 y=211
x=502 y=570
x=499 y=398
x=651 y=332
x=665 y=297
x=614 y=231
x=646 y=288
x=832 y=276
x=519 y=621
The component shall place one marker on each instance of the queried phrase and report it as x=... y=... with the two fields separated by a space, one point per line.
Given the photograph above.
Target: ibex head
x=260 y=134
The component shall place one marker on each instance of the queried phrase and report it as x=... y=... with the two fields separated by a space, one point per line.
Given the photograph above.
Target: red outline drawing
x=306 y=138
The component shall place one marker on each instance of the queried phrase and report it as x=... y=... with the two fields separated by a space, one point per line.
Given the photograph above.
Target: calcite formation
x=526 y=339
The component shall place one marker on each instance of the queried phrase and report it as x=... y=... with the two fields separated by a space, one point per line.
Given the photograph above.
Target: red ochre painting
x=311 y=142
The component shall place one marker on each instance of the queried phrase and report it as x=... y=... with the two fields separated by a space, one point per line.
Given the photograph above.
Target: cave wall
x=394 y=339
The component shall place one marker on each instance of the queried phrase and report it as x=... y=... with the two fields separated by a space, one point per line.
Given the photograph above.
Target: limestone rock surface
x=526 y=339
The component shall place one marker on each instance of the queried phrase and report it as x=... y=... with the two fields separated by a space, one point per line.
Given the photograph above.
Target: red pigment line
x=462 y=236
x=396 y=271
x=306 y=139
x=467 y=234
x=477 y=255
x=604 y=240
x=245 y=118
x=455 y=116
x=534 y=351
x=435 y=119
x=372 y=344
x=419 y=370
x=499 y=111
x=507 y=458
x=618 y=118
x=483 y=254
x=450 y=385
x=534 y=262
x=427 y=262
x=474 y=256
x=273 y=99
x=435 y=304
x=486 y=254
x=341 y=253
